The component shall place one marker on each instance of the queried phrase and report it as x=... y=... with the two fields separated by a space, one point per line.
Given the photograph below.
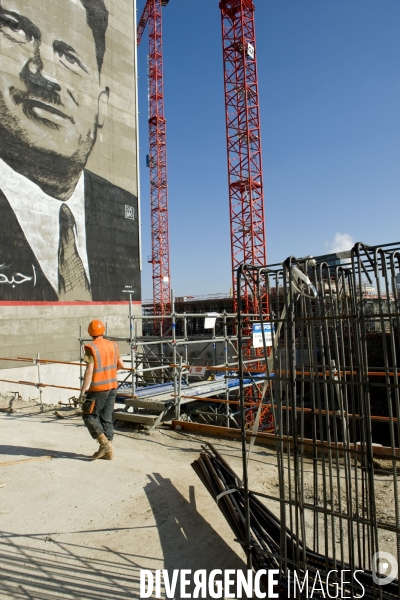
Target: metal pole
x=135 y=336
x=214 y=357
x=38 y=375
x=242 y=418
x=227 y=409
x=80 y=356
x=178 y=405
x=173 y=327
x=186 y=347
x=161 y=323
x=131 y=345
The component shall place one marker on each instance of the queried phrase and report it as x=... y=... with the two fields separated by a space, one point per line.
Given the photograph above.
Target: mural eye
x=10 y=22
x=13 y=28
x=68 y=56
x=14 y=25
x=71 y=59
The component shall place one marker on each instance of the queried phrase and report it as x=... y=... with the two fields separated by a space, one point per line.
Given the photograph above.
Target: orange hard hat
x=96 y=328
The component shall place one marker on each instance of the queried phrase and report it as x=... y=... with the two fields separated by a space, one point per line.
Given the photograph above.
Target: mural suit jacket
x=112 y=243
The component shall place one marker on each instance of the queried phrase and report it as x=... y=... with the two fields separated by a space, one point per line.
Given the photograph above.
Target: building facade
x=70 y=226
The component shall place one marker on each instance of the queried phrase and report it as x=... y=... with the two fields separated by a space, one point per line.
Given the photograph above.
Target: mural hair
x=97 y=19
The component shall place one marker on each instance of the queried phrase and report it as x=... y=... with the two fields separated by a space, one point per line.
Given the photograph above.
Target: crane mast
x=246 y=196
x=157 y=160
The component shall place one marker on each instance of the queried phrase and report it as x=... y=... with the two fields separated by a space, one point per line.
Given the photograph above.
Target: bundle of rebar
x=267 y=538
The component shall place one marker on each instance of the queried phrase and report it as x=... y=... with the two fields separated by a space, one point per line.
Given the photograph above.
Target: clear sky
x=329 y=91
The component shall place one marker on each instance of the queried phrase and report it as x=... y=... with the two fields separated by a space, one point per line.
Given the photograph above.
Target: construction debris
x=260 y=531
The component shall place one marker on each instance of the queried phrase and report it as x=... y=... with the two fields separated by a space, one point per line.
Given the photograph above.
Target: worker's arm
x=87 y=378
x=120 y=364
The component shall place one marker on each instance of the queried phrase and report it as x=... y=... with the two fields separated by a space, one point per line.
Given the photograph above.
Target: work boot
x=109 y=455
x=105 y=446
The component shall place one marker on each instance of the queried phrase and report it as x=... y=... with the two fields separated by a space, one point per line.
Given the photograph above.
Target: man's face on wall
x=49 y=79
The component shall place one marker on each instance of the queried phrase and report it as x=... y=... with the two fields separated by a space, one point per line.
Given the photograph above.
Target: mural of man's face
x=49 y=78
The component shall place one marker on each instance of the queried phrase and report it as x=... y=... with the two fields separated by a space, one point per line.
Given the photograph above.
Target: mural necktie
x=72 y=281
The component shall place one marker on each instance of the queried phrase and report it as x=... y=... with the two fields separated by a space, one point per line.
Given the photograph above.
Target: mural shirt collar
x=38 y=216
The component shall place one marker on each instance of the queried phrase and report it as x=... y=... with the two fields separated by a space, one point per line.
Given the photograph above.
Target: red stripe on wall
x=20 y=303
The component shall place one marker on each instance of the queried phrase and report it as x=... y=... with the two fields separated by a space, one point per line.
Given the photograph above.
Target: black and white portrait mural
x=69 y=227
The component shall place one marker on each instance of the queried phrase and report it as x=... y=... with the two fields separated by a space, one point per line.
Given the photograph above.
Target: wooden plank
x=298 y=409
x=214 y=430
x=148 y=404
x=46 y=361
x=41 y=385
x=269 y=439
x=134 y=417
x=16 y=359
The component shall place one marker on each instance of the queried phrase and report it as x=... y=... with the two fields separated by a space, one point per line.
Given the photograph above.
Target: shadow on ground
x=38 y=568
x=49 y=566
x=37 y=452
x=188 y=541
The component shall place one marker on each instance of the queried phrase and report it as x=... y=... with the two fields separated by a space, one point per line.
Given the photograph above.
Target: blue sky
x=329 y=90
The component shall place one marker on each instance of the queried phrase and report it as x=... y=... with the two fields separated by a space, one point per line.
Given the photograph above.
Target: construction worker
x=99 y=388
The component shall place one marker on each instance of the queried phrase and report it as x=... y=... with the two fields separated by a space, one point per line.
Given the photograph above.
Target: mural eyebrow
x=12 y=19
x=69 y=52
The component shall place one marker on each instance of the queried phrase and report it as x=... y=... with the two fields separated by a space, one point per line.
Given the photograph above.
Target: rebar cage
x=332 y=381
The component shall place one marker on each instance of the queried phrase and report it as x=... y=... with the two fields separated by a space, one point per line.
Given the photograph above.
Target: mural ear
x=103 y=106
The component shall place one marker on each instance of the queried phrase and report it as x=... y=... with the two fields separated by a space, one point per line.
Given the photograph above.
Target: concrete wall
x=55 y=336
x=65 y=375
x=53 y=330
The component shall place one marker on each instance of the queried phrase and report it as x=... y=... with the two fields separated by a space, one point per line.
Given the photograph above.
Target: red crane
x=246 y=197
x=157 y=159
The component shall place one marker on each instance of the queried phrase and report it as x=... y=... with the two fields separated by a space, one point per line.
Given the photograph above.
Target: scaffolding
x=182 y=375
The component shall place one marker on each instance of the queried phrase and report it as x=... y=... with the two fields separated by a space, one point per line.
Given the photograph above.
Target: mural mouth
x=40 y=109
x=30 y=104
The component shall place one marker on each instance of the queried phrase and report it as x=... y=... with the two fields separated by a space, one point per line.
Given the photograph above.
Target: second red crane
x=157 y=160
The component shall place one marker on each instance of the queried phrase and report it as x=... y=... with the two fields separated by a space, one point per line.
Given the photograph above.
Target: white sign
x=129 y=212
x=200 y=371
x=258 y=336
x=250 y=50
x=209 y=321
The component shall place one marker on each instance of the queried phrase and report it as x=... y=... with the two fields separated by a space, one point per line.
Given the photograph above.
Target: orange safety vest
x=105 y=354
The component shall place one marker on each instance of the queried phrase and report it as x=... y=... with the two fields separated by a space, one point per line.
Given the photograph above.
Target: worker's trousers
x=97 y=415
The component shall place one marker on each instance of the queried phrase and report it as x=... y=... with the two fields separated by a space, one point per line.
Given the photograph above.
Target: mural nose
x=33 y=73
x=33 y=67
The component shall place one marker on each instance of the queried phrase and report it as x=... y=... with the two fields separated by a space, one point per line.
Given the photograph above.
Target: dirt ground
x=75 y=528
x=71 y=527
